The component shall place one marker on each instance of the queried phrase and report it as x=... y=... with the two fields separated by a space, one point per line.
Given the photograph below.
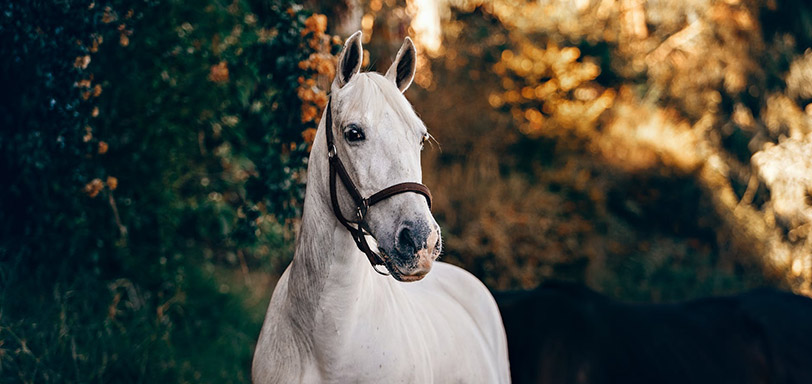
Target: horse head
x=378 y=137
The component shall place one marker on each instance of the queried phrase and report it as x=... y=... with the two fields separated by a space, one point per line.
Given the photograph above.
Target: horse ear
x=402 y=69
x=349 y=61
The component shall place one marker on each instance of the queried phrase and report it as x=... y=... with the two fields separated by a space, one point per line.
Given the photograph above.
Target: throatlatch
x=359 y=229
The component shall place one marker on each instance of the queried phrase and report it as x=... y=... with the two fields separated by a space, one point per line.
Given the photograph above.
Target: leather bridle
x=359 y=229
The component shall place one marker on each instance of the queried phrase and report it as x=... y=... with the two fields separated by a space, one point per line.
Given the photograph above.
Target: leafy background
x=154 y=153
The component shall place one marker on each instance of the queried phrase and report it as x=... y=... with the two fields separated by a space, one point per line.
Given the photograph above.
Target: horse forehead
x=374 y=99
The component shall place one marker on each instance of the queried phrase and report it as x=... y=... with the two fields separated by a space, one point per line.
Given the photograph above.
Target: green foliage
x=142 y=147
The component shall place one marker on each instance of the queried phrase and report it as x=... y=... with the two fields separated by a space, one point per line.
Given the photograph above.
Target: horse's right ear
x=349 y=61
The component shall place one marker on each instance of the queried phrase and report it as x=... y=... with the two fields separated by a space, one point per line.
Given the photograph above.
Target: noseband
x=359 y=229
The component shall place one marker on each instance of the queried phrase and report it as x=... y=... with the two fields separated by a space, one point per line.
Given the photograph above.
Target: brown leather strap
x=335 y=163
x=334 y=200
x=359 y=229
x=398 y=189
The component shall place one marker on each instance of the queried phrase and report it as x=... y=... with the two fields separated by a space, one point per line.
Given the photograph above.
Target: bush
x=142 y=148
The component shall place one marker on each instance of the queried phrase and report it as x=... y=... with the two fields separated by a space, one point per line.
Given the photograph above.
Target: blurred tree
x=698 y=97
x=638 y=123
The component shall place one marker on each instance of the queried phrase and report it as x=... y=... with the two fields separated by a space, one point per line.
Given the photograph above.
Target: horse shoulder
x=467 y=290
x=478 y=303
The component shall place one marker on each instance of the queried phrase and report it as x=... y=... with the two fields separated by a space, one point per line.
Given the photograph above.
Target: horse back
x=457 y=287
x=566 y=333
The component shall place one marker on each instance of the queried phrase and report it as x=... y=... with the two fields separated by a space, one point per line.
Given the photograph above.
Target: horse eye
x=354 y=133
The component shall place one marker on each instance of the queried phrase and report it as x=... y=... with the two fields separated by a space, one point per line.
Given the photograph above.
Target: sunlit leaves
x=550 y=90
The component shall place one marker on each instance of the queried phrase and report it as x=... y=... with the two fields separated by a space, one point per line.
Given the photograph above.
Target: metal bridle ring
x=384 y=273
x=361 y=210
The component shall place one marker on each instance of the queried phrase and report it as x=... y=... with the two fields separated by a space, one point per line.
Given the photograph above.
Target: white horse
x=332 y=318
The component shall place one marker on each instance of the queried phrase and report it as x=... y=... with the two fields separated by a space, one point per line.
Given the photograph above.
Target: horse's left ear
x=402 y=69
x=349 y=60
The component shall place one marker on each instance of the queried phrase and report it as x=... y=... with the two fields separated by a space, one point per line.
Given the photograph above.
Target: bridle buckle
x=361 y=210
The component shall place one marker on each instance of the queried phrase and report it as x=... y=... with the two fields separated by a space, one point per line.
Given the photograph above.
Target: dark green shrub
x=143 y=144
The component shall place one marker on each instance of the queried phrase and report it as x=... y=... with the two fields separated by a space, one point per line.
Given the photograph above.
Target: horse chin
x=416 y=273
x=417 y=276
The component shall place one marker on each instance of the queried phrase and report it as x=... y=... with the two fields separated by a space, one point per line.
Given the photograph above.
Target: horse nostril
x=405 y=240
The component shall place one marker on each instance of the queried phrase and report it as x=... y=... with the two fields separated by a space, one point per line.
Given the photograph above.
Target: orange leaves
x=85 y=85
x=314 y=98
x=321 y=99
x=81 y=62
x=95 y=91
x=310 y=93
x=316 y=23
x=218 y=73
x=97 y=40
x=309 y=113
x=316 y=26
x=321 y=64
x=326 y=68
x=309 y=135
x=552 y=86
x=93 y=188
x=109 y=15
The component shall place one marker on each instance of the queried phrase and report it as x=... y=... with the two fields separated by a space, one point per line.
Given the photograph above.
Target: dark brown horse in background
x=565 y=333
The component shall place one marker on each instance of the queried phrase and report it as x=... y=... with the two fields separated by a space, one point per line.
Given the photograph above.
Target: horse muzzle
x=417 y=245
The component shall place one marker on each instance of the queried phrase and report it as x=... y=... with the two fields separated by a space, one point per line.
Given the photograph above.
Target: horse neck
x=328 y=271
